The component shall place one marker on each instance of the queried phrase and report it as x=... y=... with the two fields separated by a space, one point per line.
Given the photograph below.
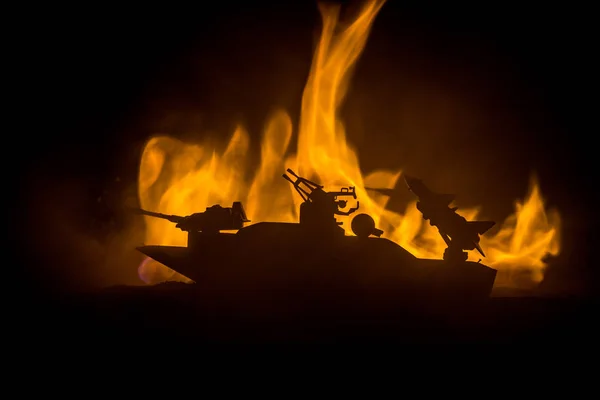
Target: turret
x=211 y=221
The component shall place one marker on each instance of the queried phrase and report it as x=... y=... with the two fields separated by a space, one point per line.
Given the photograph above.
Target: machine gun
x=315 y=191
x=213 y=220
x=304 y=193
x=320 y=206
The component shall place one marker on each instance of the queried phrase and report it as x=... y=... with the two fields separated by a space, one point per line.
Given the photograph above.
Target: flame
x=181 y=178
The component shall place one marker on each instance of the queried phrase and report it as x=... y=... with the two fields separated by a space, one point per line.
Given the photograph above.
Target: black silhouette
x=363 y=225
x=320 y=207
x=276 y=255
x=211 y=221
x=458 y=233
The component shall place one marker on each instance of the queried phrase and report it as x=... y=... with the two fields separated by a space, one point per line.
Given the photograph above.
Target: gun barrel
x=290 y=171
x=287 y=178
x=171 y=218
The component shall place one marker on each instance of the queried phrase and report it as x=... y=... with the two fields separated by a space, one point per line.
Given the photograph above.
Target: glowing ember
x=180 y=178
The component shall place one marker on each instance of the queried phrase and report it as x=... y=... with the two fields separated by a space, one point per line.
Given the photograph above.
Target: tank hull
x=283 y=260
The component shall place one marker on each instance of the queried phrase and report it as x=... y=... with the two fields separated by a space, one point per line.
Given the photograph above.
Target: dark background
x=472 y=100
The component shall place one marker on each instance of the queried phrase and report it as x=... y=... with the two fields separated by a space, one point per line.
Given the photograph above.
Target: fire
x=180 y=178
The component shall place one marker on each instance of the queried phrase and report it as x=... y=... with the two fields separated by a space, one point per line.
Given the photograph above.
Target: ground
x=153 y=316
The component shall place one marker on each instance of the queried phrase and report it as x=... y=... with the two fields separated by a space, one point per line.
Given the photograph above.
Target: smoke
x=78 y=239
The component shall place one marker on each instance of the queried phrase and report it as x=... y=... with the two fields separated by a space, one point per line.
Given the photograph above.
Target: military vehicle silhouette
x=313 y=253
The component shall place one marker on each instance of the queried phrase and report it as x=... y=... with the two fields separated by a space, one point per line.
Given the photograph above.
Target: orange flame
x=180 y=178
